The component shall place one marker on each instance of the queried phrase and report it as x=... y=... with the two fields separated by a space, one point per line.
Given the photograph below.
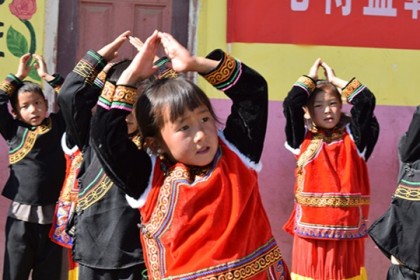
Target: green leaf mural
x=16 y=42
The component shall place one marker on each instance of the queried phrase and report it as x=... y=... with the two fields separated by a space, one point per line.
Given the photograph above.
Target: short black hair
x=27 y=86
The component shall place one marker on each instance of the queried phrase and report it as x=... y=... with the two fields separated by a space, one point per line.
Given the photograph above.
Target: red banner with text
x=358 y=23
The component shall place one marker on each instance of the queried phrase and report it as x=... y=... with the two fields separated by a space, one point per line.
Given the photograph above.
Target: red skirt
x=328 y=259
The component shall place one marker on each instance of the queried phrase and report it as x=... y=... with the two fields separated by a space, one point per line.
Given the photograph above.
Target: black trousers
x=29 y=248
x=130 y=273
x=401 y=272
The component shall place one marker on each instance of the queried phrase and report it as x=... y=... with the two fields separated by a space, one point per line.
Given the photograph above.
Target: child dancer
x=106 y=242
x=395 y=232
x=332 y=184
x=37 y=168
x=202 y=214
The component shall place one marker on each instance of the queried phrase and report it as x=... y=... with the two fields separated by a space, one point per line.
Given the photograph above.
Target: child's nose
x=199 y=135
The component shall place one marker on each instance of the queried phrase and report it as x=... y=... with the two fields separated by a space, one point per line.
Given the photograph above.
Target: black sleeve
x=126 y=165
x=364 y=125
x=293 y=105
x=409 y=146
x=8 y=126
x=247 y=123
x=78 y=95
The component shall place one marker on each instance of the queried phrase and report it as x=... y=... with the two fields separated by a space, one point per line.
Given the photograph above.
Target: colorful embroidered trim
x=10 y=84
x=408 y=191
x=328 y=232
x=87 y=69
x=306 y=83
x=28 y=141
x=107 y=94
x=94 y=191
x=353 y=88
x=244 y=268
x=226 y=74
x=124 y=97
x=333 y=200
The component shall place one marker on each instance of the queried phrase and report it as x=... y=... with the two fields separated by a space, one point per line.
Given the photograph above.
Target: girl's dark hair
x=116 y=70
x=27 y=86
x=177 y=94
x=323 y=86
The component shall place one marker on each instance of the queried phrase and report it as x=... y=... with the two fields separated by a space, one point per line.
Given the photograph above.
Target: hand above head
x=331 y=77
x=24 y=66
x=141 y=67
x=313 y=71
x=41 y=68
x=181 y=59
x=136 y=42
x=110 y=51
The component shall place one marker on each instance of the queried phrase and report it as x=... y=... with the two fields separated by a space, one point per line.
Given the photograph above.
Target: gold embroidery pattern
x=310 y=153
x=331 y=201
x=108 y=91
x=86 y=70
x=102 y=76
x=96 y=193
x=7 y=87
x=223 y=73
x=245 y=271
x=407 y=193
x=137 y=140
x=29 y=142
x=153 y=229
x=307 y=82
x=169 y=73
x=125 y=94
x=350 y=88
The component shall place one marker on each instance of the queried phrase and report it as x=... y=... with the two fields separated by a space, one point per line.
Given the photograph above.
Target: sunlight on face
x=191 y=139
x=31 y=108
x=326 y=111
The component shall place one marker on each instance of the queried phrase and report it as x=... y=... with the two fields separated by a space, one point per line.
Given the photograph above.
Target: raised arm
x=81 y=90
x=294 y=103
x=246 y=125
x=9 y=87
x=128 y=166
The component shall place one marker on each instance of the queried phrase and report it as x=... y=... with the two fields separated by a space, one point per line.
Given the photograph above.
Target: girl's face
x=31 y=108
x=326 y=111
x=192 y=138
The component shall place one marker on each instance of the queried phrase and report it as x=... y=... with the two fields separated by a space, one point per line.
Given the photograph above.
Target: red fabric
x=213 y=221
x=321 y=259
x=331 y=172
x=67 y=200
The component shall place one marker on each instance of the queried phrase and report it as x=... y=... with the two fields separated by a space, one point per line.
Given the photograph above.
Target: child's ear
x=14 y=114
x=152 y=143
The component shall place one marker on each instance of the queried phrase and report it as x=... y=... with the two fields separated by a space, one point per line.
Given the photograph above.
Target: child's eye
x=205 y=119
x=183 y=128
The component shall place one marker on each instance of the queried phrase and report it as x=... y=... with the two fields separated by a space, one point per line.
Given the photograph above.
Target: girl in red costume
x=332 y=185
x=202 y=214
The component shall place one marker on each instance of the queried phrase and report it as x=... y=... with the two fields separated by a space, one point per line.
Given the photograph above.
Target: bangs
x=168 y=98
x=179 y=95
